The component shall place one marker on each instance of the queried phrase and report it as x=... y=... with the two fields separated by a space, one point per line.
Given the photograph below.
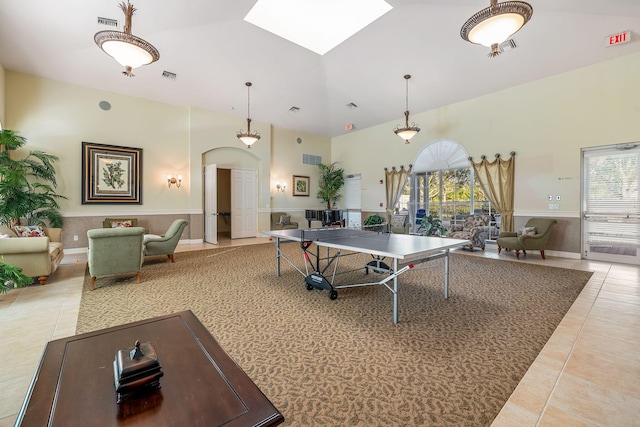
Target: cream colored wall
x=287 y=161
x=57 y=117
x=545 y=122
x=2 y=84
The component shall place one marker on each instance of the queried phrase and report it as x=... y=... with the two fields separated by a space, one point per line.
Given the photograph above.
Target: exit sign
x=619 y=38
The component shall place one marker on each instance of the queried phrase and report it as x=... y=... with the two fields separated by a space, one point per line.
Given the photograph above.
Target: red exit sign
x=619 y=38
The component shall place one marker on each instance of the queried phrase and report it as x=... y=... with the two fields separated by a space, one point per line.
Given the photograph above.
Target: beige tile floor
x=588 y=374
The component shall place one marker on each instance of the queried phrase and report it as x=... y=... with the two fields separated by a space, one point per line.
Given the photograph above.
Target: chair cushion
x=398 y=220
x=526 y=231
x=285 y=219
x=29 y=231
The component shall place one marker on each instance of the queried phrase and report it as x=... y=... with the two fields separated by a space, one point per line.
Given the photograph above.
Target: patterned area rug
x=343 y=362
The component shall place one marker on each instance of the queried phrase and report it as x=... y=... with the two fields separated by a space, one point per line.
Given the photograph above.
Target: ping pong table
x=404 y=251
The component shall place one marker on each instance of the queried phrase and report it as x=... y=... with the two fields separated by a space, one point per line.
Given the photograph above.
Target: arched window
x=442 y=184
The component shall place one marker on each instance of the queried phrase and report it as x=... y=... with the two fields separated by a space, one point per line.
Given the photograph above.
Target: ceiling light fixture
x=249 y=138
x=130 y=51
x=496 y=23
x=407 y=132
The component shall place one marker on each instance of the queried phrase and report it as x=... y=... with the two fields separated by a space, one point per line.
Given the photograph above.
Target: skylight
x=318 y=25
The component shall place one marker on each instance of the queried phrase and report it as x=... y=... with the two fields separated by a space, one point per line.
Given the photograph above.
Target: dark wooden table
x=202 y=386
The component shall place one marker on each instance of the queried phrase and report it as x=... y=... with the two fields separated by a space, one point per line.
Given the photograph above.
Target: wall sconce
x=174 y=180
x=281 y=187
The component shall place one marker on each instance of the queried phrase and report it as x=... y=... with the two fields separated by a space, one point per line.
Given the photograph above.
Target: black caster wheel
x=333 y=294
x=309 y=287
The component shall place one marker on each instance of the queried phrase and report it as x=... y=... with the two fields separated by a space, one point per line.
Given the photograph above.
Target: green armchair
x=114 y=251
x=165 y=244
x=534 y=236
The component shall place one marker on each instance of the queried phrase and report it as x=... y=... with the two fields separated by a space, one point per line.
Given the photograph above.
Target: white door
x=244 y=206
x=353 y=200
x=211 y=204
x=611 y=204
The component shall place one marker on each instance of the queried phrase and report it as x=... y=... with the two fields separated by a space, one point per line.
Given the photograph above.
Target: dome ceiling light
x=496 y=23
x=129 y=50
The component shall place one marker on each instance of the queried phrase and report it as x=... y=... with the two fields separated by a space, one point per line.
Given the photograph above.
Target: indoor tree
x=331 y=182
x=27 y=185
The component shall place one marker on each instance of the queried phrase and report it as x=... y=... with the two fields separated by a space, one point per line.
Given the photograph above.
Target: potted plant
x=431 y=226
x=372 y=222
x=27 y=185
x=331 y=182
x=11 y=277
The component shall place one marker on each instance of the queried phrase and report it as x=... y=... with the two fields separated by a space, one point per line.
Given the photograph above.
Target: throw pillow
x=398 y=220
x=526 y=231
x=285 y=219
x=29 y=231
x=120 y=224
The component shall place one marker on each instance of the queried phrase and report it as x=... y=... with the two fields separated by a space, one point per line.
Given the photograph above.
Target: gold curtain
x=395 y=181
x=497 y=179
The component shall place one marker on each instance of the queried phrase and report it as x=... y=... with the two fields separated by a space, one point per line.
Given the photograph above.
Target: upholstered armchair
x=475 y=228
x=399 y=224
x=533 y=236
x=282 y=221
x=165 y=244
x=114 y=251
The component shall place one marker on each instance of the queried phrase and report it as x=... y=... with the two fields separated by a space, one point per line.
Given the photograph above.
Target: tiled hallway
x=588 y=374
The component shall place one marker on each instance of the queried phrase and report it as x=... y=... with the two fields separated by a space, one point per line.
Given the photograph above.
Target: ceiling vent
x=107 y=22
x=294 y=109
x=508 y=45
x=169 y=75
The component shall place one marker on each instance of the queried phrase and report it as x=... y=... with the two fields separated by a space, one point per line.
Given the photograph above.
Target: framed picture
x=111 y=174
x=300 y=185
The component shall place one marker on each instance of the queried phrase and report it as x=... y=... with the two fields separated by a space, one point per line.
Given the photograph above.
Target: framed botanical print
x=300 y=185
x=111 y=174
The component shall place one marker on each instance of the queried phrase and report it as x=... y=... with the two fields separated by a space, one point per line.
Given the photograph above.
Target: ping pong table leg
x=446 y=274
x=395 y=292
x=278 y=256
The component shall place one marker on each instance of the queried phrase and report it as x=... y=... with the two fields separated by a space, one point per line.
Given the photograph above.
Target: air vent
x=169 y=75
x=351 y=106
x=107 y=22
x=311 y=159
x=294 y=109
x=508 y=45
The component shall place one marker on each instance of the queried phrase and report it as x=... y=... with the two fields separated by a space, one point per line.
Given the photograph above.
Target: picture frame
x=300 y=185
x=111 y=174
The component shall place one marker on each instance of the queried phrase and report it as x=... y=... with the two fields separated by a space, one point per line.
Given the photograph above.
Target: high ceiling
x=214 y=52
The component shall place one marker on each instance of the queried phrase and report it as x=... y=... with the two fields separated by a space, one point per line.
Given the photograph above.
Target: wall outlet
x=553 y=206
x=75 y=237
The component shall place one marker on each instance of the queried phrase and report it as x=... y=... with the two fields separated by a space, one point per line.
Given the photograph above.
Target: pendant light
x=407 y=132
x=496 y=23
x=249 y=138
x=130 y=51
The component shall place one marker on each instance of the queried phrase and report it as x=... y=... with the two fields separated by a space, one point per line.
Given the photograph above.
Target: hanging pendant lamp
x=496 y=23
x=248 y=137
x=130 y=51
x=407 y=132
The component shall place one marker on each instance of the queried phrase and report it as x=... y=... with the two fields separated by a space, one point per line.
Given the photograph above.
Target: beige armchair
x=115 y=251
x=36 y=256
x=282 y=221
x=534 y=236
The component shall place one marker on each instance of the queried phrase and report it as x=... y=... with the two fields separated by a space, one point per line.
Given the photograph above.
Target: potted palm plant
x=331 y=182
x=27 y=185
x=11 y=277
